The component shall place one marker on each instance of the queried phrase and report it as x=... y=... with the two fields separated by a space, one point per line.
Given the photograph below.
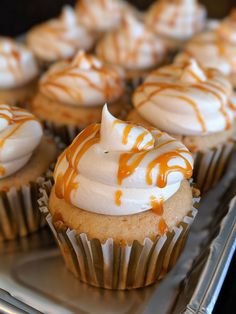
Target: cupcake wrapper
x=19 y=215
x=112 y=266
x=211 y=165
x=65 y=132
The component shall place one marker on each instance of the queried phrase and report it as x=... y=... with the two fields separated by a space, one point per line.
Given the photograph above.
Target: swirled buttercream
x=59 y=38
x=216 y=48
x=101 y=15
x=20 y=134
x=185 y=99
x=17 y=64
x=132 y=46
x=85 y=81
x=176 y=19
x=118 y=168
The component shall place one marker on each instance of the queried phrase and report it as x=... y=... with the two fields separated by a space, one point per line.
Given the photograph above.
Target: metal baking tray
x=34 y=280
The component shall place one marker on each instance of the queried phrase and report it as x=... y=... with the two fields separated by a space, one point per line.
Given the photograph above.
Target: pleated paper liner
x=210 y=165
x=112 y=266
x=19 y=211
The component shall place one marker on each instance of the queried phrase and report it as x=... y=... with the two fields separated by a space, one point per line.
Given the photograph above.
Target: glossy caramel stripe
x=164 y=169
x=222 y=109
x=157 y=205
x=118 y=195
x=65 y=183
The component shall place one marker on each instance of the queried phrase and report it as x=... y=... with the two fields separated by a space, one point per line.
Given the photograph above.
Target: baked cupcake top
x=17 y=64
x=84 y=81
x=132 y=46
x=118 y=168
x=101 y=15
x=59 y=38
x=20 y=134
x=185 y=99
x=216 y=48
x=176 y=19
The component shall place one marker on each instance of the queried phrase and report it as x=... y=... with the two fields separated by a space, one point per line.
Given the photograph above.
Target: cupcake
x=121 y=205
x=134 y=47
x=102 y=15
x=23 y=163
x=215 y=48
x=71 y=94
x=176 y=20
x=18 y=72
x=59 y=38
x=192 y=104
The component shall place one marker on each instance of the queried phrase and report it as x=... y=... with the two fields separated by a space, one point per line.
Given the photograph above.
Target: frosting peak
x=117 y=135
x=101 y=15
x=84 y=81
x=196 y=104
x=20 y=134
x=59 y=38
x=132 y=46
x=17 y=64
x=98 y=176
x=178 y=19
x=192 y=73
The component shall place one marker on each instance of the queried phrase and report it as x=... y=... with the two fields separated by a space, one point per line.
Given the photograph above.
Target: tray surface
x=33 y=272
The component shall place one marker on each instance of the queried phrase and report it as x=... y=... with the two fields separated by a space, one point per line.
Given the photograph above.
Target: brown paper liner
x=112 y=266
x=210 y=165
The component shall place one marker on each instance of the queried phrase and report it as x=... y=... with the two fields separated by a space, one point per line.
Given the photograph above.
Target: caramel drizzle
x=129 y=162
x=107 y=89
x=11 y=57
x=163 y=227
x=118 y=195
x=2 y=170
x=157 y=205
x=165 y=86
x=65 y=183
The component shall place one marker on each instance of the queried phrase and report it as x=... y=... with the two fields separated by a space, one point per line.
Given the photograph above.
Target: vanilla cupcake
x=102 y=15
x=18 y=72
x=192 y=104
x=134 y=47
x=71 y=94
x=176 y=20
x=59 y=38
x=25 y=156
x=215 y=49
x=121 y=204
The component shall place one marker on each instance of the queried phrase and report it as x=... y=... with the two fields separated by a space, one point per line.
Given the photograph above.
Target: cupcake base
x=19 y=214
x=115 y=265
x=19 y=95
x=67 y=121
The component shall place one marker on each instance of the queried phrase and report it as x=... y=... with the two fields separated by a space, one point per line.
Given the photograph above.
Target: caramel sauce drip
x=162 y=226
x=65 y=183
x=107 y=89
x=2 y=170
x=157 y=205
x=164 y=170
x=232 y=107
x=118 y=197
x=126 y=133
x=129 y=162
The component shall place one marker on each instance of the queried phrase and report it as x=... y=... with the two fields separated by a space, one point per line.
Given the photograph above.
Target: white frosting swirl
x=101 y=15
x=210 y=51
x=176 y=19
x=17 y=64
x=59 y=38
x=121 y=169
x=185 y=99
x=85 y=81
x=132 y=46
x=20 y=134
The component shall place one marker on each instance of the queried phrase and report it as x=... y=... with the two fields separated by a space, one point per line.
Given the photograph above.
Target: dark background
x=17 y=16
